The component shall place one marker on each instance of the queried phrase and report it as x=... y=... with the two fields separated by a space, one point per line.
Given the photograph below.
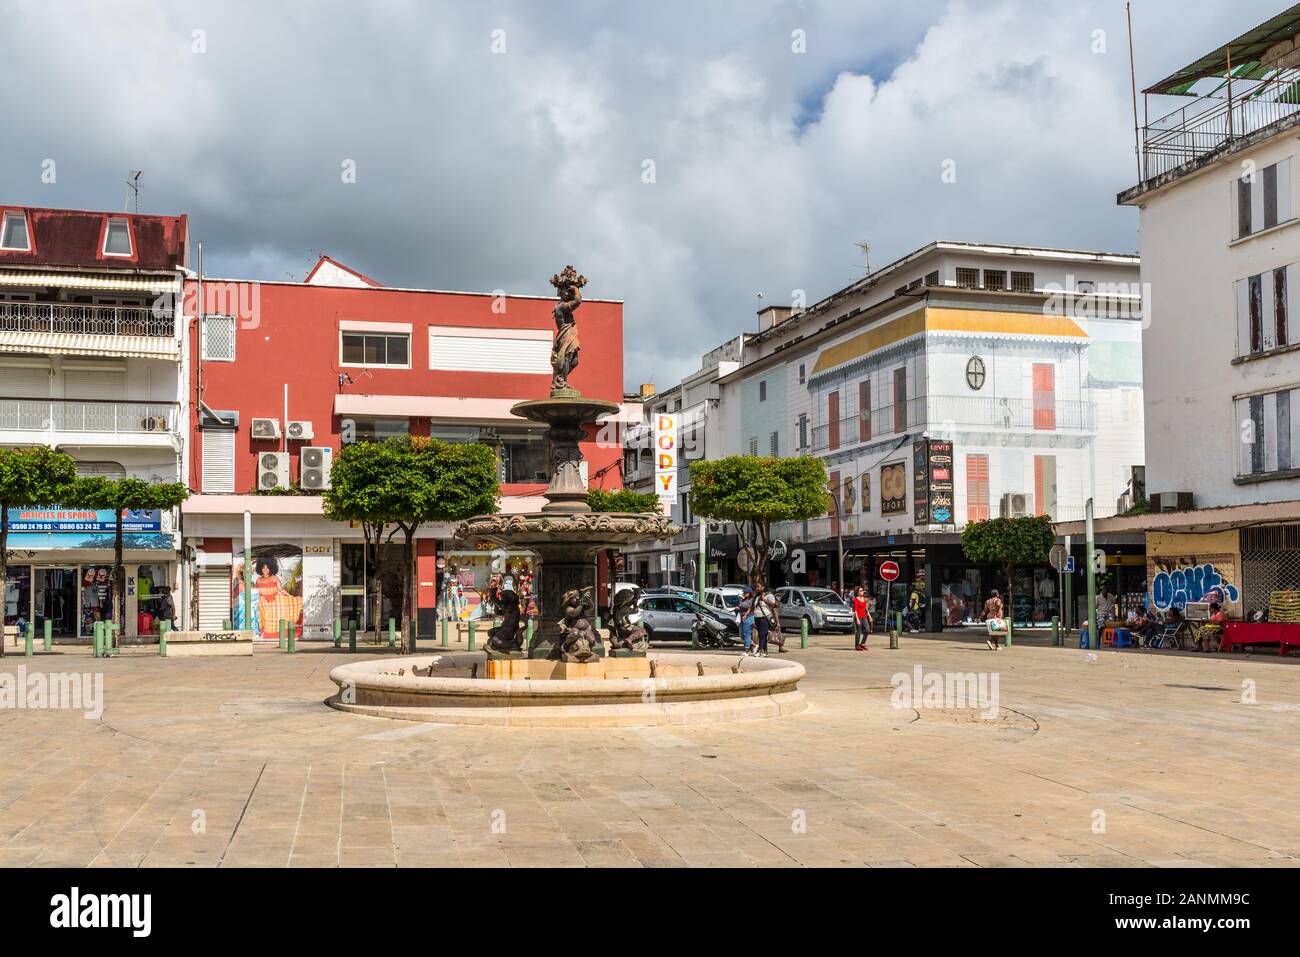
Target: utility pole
x=704 y=548
x=1094 y=626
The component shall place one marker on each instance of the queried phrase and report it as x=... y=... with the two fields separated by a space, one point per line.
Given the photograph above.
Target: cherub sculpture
x=564 y=351
x=507 y=637
x=577 y=637
x=629 y=635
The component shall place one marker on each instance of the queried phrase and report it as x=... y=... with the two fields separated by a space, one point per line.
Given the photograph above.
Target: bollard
x=162 y=638
x=292 y=631
x=282 y=640
x=444 y=631
x=528 y=637
x=49 y=635
x=27 y=641
x=1056 y=632
x=803 y=633
x=598 y=622
x=338 y=633
x=225 y=624
x=694 y=635
x=1009 y=630
x=352 y=635
x=392 y=633
x=471 y=634
x=898 y=621
x=893 y=639
x=96 y=637
x=412 y=633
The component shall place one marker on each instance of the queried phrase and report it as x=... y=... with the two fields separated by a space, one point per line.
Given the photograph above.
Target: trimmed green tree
x=364 y=489
x=118 y=496
x=407 y=482
x=754 y=493
x=29 y=478
x=622 y=500
x=1008 y=542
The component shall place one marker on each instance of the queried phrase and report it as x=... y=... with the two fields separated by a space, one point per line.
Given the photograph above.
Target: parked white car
x=725 y=600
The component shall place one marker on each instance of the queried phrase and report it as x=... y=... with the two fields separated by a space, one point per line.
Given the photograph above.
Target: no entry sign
x=889 y=570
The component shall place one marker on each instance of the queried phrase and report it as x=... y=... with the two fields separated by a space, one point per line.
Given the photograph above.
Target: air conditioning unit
x=272 y=470
x=314 y=467
x=1015 y=505
x=266 y=428
x=300 y=432
x=153 y=423
x=1171 y=502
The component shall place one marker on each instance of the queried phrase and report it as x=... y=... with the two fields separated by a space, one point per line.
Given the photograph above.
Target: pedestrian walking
x=993 y=613
x=861 y=619
x=746 y=612
x=765 y=615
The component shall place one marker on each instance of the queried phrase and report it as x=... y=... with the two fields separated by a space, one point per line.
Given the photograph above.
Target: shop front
x=60 y=571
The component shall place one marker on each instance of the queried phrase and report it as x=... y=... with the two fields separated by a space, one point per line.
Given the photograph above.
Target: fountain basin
x=679 y=695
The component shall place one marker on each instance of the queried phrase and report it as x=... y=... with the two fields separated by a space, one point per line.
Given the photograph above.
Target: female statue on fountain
x=564 y=353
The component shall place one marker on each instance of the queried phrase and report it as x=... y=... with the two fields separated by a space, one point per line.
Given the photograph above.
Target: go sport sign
x=666 y=459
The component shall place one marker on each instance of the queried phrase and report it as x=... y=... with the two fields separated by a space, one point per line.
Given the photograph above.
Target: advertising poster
x=55 y=527
x=893 y=488
x=277 y=589
x=941 y=482
x=921 y=481
x=666 y=460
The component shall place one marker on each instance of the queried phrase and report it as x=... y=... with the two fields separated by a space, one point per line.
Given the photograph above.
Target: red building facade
x=284 y=374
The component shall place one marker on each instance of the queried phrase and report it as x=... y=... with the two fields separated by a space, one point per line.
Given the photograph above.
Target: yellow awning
x=76 y=344
x=73 y=280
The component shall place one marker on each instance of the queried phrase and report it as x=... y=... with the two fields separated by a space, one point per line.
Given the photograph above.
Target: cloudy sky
x=684 y=155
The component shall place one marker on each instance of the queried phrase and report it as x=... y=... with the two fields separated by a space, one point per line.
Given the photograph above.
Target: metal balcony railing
x=1229 y=112
x=87 y=320
x=1021 y=415
x=87 y=415
x=877 y=424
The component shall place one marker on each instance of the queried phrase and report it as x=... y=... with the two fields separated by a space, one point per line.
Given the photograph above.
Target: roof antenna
x=134 y=185
x=864 y=247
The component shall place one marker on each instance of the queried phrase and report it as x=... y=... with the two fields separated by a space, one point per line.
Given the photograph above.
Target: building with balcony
x=1219 y=201
x=694 y=401
x=91 y=363
x=287 y=374
x=963 y=382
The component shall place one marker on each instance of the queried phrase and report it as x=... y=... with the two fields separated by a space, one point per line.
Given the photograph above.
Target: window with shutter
x=977 y=488
x=219 y=338
x=218 y=461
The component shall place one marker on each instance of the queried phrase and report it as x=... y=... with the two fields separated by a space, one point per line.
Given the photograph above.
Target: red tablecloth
x=1261 y=633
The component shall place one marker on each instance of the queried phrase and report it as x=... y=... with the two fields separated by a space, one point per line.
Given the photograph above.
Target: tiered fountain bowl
x=545 y=684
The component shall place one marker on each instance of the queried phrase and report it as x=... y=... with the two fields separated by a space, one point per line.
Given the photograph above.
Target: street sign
x=889 y=570
x=1069 y=564
x=1057 y=557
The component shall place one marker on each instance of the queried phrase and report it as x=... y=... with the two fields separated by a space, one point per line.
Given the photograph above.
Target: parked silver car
x=825 y=610
x=669 y=617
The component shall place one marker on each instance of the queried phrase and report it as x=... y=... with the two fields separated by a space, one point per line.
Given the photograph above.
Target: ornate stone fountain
x=565 y=535
x=567 y=677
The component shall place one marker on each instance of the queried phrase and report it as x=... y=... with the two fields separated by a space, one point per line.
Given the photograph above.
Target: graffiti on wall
x=1195 y=582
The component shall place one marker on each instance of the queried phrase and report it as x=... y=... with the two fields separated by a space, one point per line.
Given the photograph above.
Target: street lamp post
x=839 y=531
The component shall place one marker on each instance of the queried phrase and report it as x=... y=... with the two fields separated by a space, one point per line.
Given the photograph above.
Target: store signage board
x=69 y=521
x=665 y=453
x=932 y=484
x=893 y=488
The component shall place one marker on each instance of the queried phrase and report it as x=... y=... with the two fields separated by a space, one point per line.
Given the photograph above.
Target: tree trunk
x=1010 y=610
x=408 y=571
x=372 y=557
x=118 y=610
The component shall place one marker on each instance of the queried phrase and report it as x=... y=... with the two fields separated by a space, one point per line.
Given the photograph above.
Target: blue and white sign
x=72 y=521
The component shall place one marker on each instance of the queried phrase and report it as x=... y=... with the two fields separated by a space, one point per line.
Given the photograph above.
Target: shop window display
x=18 y=594
x=96 y=596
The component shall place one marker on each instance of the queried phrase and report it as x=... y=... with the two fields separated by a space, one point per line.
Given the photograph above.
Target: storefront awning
x=76 y=344
x=77 y=280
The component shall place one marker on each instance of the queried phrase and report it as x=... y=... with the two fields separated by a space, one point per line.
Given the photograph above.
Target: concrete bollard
x=471 y=634
x=898 y=621
x=27 y=642
x=225 y=624
x=352 y=635
x=1056 y=632
x=282 y=635
x=803 y=633
x=893 y=639
x=97 y=639
x=528 y=636
x=291 y=629
x=49 y=635
x=338 y=633
x=162 y=638
x=392 y=633
x=1010 y=629
x=444 y=631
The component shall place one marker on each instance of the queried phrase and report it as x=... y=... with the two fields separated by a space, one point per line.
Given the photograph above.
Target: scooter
x=709 y=633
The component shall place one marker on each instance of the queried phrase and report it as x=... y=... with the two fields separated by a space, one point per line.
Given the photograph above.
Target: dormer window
x=13 y=233
x=117 y=238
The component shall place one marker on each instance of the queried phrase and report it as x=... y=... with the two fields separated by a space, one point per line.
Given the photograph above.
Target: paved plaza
x=1129 y=758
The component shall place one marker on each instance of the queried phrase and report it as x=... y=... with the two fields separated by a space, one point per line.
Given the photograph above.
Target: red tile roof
x=75 y=237
x=346 y=268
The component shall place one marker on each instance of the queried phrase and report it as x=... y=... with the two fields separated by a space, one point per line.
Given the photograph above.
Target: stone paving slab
x=1132 y=758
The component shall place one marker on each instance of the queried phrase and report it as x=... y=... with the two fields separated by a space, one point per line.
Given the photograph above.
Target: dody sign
x=666 y=459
